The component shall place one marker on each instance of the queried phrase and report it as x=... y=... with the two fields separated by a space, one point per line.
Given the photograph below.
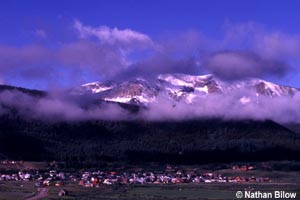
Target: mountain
x=180 y=87
x=92 y=140
x=30 y=92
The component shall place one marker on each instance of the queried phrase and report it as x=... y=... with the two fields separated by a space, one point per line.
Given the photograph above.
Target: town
x=115 y=180
x=171 y=175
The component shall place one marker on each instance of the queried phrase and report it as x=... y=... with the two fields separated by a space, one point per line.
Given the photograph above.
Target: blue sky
x=211 y=33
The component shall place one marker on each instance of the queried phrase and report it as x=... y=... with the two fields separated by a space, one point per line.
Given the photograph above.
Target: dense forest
x=196 y=141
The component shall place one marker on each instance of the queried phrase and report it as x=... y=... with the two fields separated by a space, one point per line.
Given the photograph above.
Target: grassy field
x=143 y=192
x=11 y=190
x=215 y=191
x=168 y=192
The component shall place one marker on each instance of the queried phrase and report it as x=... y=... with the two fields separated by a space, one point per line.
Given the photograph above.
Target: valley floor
x=280 y=180
x=13 y=191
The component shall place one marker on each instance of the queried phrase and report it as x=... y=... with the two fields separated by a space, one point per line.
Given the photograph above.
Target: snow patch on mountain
x=181 y=87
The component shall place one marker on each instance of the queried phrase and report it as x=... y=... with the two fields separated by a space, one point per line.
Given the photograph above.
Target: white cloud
x=114 y=36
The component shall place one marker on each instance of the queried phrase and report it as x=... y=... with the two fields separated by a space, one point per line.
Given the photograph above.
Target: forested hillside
x=197 y=141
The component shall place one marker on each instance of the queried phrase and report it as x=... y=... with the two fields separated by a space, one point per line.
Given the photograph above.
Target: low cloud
x=61 y=107
x=56 y=107
x=242 y=64
x=159 y=64
x=279 y=109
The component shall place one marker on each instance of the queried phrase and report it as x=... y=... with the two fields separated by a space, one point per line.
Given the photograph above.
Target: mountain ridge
x=169 y=96
x=180 y=87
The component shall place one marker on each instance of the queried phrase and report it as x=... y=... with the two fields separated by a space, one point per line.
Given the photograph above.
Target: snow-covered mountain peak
x=180 y=87
x=93 y=88
x=183 y=79
x=271 y=89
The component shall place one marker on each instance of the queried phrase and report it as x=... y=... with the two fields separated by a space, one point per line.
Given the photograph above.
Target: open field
x=135 y=192
x=181 y=191
x=11 y=190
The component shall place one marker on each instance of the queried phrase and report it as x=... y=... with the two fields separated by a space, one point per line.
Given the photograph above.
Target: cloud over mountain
x=242 y=64
x=171 y=97
x=244 y=50
x=265 y=42
x=126 y=38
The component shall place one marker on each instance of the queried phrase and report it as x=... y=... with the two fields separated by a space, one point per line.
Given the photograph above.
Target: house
x=63 y=192
x=266 y=179
x=235 y=167
x=58 y=184
x=252 y=179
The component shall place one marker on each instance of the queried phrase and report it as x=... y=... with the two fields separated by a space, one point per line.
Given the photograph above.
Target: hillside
x=197 y=141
